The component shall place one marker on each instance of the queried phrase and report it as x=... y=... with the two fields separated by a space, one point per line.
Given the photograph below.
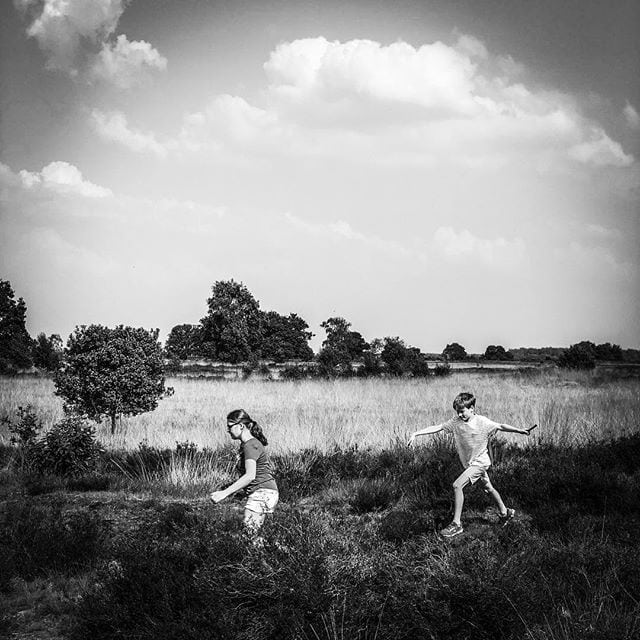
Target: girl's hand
x=412 y=439
x=218 y=496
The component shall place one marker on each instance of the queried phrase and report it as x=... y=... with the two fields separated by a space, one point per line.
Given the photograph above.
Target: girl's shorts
x=262 y=501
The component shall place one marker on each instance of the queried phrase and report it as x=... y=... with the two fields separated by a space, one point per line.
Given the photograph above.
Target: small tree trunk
x=113 y=423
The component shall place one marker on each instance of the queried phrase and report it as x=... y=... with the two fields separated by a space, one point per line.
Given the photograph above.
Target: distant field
x=569 y=407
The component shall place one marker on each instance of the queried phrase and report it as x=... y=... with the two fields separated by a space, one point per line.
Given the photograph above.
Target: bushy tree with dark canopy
x=47 y=351
x=15 y=341
x=183 y=341
x=579 y=356
x=497 y=352
x=285 y=337
x=112 y=372
x=232 y=329
x=340 y=348
x=454 y=351
x=609 y=352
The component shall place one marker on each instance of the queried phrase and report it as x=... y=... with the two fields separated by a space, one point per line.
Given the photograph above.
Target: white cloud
x=115 y=128
x=76 y=38
x=600 y=150
x=62 y=25
x=70 y=257
x=125 y=63
x=471 y=46
x=598 y=261
x=631 y=116
x=63 y=178
x=325 y=83
x=398 y=105
x=341 y=230
x=464 y=246
x=605 y=233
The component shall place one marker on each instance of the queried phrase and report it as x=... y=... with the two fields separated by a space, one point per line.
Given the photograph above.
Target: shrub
x=374 y=495
x=293 y=372
x=442 y=369
x=578 y=356
x=37 y=539
x=68 y=449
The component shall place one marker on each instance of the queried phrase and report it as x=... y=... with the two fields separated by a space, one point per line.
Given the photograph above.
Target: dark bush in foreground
x=37 y=539
x=202 y=579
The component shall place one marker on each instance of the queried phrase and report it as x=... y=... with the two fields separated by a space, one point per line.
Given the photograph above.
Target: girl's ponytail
x=256 y=432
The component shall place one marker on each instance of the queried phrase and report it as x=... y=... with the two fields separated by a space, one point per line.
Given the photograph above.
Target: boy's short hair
x=464 y=400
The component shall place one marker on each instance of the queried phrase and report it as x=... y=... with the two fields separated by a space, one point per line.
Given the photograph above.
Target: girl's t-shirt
x=254 y=450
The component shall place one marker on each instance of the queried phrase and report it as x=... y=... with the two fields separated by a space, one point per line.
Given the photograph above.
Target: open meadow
x=133 y=549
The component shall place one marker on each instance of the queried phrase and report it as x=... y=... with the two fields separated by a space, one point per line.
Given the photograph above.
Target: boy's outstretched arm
x=524 y=432
x=423 y=432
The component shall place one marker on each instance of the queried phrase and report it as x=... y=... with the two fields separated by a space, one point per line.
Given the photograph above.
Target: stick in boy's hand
x=530 y=429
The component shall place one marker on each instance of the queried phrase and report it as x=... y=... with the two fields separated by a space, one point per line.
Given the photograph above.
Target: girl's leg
x=253 y=521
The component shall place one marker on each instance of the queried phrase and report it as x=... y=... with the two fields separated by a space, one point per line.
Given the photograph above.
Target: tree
x=15 y=342
x=340 y=347
x=112 y=372
x=394 y=355
x=497 y=352
x=47 y=351
x=285 y=337
x=454 y=351
x=372 y=358
x=232 y=329
x=579 y=356
x=609 y=352
x=183 y=341
x=399 y=359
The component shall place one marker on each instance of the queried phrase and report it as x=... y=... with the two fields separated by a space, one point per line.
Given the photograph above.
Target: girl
x=256 y=478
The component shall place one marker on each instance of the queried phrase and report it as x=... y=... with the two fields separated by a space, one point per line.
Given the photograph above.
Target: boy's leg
x=460 y=483
x=490 y=490
x=467 y=477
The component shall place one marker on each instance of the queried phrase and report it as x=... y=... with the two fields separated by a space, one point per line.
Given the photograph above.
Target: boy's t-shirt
x=472 y=439
x=254 y=450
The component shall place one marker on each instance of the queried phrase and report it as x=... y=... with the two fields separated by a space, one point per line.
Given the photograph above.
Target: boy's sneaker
x=451 y=530
x=507 y=517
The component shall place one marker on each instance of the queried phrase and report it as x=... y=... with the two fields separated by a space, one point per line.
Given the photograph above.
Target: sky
x=444 y=170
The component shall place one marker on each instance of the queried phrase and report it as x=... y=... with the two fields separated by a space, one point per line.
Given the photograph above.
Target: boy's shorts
x=262 y=501
x=471 y=475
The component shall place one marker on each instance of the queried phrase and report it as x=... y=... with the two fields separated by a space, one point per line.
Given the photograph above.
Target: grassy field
x=134 y=550
x=569 y=408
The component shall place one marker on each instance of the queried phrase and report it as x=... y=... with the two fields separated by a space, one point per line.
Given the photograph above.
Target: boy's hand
x=530 y=429
x=218 y=496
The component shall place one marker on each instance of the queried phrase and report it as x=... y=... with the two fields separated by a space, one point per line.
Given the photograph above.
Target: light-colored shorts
x=471 y=475
x=262 y=501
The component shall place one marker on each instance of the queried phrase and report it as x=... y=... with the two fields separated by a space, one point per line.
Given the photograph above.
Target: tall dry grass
x=570 y=408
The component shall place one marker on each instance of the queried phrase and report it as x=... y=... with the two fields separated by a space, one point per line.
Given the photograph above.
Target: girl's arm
x=423 y=432
x=524 y=432
x=243 y=481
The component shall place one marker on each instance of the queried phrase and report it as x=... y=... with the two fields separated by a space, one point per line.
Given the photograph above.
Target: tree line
x=234 y=329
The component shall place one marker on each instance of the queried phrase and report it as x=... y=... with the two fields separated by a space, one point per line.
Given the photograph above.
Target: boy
x=471 y=433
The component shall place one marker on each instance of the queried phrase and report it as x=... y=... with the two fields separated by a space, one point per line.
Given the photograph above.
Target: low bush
x=36 y=539
x=68 y=449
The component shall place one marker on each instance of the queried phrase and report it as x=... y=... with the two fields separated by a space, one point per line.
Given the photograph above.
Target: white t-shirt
x=471 y=439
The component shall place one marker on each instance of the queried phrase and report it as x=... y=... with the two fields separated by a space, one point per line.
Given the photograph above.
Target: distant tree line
x=235 y=330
